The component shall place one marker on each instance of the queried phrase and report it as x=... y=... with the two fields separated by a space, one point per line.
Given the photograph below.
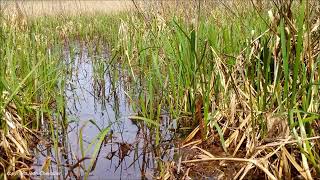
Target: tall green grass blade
x=21 y=83
x=299 y=49
x=101 y=136
x=150 y=121
x=285 y=61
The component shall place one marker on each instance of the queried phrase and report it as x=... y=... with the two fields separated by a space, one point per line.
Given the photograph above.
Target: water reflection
x=96 y=100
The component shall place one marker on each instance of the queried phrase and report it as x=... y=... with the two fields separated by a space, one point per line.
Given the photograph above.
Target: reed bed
x=33 y=75
x=241 y=78
x=244 y=74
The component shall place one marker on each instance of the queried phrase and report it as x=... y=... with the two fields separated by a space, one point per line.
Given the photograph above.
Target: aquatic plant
x=33 y=75
x=241 y=78
x=251 y=74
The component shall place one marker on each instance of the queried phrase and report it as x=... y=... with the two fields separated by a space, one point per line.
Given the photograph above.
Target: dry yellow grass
x=73 y=7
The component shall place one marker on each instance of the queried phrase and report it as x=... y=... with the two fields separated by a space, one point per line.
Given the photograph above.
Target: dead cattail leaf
x=9 y=121
x=245 y=170
x=166 y=176
x=294 y=163
x=233 y=105
x=46 y=165
x=239 y=144
x=14 y=144
x=253 y=161
x=204 y=151
x=191 y=135
x=232 y=138
x=315 y=26
x=286 y=166
x=196 y=142
x=18 y=145
x=186 y=175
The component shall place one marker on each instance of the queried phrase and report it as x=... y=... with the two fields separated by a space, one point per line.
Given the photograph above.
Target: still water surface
x=93 y=104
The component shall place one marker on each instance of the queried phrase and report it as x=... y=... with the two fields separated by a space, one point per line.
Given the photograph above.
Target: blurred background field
x=56 y=7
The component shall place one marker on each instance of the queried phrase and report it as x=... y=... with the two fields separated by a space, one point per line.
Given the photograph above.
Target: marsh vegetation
x=160 y=89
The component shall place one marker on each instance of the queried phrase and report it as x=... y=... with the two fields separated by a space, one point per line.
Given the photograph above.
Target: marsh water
x=96 y=101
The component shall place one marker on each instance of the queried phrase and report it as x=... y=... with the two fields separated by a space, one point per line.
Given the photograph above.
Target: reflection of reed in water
x=98 y=67
x=93 y=81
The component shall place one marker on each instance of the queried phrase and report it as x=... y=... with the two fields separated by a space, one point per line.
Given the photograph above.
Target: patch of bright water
x=128 y=153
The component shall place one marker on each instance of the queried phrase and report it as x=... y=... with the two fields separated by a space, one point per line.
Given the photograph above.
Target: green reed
x=34 y=71
x=259 y=64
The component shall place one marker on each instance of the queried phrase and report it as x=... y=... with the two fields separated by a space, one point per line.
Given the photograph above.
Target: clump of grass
x=28 y=77
x=15 y=142
x=256 y=71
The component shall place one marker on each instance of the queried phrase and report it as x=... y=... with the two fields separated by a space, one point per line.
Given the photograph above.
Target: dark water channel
x=93 y=104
